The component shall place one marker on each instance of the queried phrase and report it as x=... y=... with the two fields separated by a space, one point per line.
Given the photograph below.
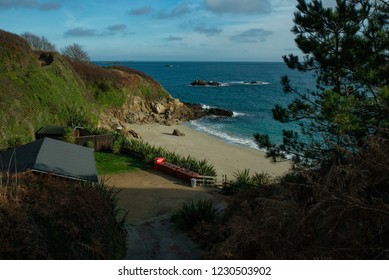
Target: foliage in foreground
x=44 y=217
x=341 y=212
x=244 y=180
x=193 y=213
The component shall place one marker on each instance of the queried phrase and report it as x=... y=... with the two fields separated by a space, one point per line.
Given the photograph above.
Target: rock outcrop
x=205 y=83
x=198 y=111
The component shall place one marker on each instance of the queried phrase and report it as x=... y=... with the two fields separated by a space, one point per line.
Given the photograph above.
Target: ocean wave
x=251 y=83
x=238 y=114
x=230 y=138
x=236 y=83
x=223 y=135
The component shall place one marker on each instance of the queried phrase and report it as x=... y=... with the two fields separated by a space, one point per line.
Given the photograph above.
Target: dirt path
x=151 y=197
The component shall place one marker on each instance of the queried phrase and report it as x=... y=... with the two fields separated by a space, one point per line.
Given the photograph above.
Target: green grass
x=108 y=163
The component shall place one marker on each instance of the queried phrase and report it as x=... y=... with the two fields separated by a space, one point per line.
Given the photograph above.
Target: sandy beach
x=227 y=158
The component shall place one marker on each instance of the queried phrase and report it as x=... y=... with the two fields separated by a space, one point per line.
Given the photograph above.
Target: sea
x=249 y=89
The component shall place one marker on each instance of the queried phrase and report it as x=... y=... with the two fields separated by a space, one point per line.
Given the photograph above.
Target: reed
x=147 y=152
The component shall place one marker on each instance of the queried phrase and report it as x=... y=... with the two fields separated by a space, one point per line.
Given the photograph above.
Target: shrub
x=15 y=141
x=55 y=218
x=194 y=213
x=244 y=180
x=146 y=152
x=116 y=148
x=77 y=117
x=335 y=212
x=69 y=135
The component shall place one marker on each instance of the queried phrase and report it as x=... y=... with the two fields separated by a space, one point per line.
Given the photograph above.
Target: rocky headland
x=50 y=89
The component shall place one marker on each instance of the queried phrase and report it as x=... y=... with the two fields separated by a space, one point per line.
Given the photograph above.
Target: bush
x=194 y=213
x=335 y=212
x=55 y=218
x=244 y=180
x=16 y=141
x=69 y=136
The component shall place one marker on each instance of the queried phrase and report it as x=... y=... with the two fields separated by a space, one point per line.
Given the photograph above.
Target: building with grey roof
x=53 y=157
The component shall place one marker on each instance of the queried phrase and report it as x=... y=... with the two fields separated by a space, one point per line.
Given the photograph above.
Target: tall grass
x=53 y=218
x=147 y=152
x=9 y=187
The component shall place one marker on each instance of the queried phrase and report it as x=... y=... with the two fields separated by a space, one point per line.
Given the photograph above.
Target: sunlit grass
x=108 y=163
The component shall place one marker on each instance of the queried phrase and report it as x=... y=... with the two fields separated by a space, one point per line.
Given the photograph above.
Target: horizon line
x=176 y=61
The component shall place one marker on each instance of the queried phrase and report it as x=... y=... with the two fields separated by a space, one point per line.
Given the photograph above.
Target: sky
x=160 y=30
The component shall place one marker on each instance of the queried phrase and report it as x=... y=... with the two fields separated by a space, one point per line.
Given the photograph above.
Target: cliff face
x=46 y=88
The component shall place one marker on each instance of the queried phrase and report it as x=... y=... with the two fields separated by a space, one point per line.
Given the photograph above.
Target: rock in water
x=219 y=112
x=205 y=83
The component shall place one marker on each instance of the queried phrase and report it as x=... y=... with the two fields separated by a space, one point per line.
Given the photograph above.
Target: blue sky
x=160 y=30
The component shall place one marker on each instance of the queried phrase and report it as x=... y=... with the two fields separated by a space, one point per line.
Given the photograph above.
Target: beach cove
x=151 y=197
x=227 y=158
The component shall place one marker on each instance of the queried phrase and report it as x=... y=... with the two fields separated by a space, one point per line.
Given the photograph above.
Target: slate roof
x=51 y=156
x=52 y=130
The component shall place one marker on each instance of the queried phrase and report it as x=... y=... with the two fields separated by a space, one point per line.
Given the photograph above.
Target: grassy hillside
x=46 y=88
x=33 y=95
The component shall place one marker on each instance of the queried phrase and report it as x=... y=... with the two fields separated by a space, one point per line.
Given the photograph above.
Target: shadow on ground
x=151 y=197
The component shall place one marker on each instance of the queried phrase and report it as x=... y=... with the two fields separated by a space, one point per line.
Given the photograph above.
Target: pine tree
x=347 y=50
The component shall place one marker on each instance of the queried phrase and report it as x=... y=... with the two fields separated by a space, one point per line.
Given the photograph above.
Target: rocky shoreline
x=167 y=112
x=199 y=111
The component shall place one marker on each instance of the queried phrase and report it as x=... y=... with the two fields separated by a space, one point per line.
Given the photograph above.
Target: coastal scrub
x=43 y=217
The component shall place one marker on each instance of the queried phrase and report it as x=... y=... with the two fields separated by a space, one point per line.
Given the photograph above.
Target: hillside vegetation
x=40 y=88
x=44 y=217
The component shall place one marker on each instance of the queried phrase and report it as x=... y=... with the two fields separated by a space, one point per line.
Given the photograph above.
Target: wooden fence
x=98 y=142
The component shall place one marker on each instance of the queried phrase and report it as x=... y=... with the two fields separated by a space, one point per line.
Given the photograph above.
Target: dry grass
x=52 y=218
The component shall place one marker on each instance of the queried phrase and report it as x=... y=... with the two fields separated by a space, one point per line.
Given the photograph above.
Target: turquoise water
x=250 y=102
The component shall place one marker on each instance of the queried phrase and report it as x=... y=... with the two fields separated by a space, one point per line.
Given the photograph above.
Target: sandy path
x=148 y=193
x=150 y=198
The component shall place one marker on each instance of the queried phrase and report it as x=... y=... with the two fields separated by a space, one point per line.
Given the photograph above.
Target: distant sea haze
x=250 y=90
